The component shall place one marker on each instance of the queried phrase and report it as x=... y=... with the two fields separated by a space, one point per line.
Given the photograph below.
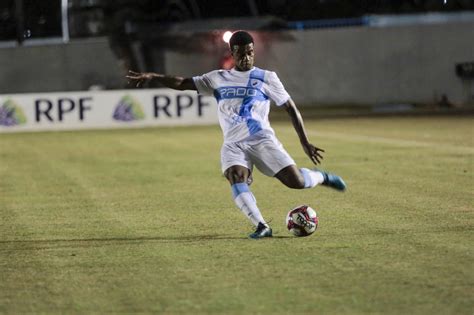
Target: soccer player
x=243 y=95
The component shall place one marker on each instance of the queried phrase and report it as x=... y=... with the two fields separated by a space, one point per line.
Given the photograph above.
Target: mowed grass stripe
x=396 y=142
x=74 y=174
x=410 y=189
x=167 y=238
x=60 y=170
x=434 y=133
x=32 y=213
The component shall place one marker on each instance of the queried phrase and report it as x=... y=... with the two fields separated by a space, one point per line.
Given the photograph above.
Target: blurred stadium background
x=140 y=221
x=328 y=52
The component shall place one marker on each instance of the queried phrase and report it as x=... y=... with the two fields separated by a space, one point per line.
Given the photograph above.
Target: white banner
x=105 y=109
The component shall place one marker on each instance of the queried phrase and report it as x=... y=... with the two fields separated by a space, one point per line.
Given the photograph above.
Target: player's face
x=243 y=57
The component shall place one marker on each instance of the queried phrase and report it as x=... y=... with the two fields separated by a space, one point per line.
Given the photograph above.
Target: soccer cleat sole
x=258 y=236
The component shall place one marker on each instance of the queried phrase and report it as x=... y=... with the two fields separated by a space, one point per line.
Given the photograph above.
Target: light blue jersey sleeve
x=276 y=91
x=204 y=83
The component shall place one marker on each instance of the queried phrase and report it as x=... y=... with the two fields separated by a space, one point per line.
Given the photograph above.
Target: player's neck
x=241 y=70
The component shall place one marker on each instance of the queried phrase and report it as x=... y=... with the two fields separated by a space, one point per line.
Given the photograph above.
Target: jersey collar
x=241 y=73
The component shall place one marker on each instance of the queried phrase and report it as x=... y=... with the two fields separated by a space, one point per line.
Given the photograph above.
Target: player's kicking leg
x=238 y=177
x=332 y=180
x=302 y=178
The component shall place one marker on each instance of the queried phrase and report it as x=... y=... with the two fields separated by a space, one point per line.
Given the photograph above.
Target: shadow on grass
x=12 y=245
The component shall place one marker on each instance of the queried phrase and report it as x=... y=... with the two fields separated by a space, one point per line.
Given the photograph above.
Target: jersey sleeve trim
x=281 y=103
x=199 y=86
x=276 y=89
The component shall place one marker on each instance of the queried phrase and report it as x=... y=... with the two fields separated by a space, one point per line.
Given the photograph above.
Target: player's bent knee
x=234 y=175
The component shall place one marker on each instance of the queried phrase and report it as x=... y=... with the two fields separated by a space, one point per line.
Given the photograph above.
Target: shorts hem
x=282 y=168
x=225 y=168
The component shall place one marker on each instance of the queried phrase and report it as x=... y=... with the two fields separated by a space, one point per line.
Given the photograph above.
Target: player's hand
x=313 y=153
x=139 y=77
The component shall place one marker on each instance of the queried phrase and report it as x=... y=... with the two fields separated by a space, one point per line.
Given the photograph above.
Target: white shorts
x=264 y=151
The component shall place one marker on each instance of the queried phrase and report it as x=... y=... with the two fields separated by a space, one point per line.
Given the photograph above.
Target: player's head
x=241 y=47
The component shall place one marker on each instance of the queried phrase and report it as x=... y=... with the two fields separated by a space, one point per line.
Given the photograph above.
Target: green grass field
x=142 y=221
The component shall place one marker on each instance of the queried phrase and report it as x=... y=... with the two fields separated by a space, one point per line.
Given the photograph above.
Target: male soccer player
x=243 y=95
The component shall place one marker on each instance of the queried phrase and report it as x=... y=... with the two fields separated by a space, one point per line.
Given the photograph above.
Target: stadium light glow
x=226 y=37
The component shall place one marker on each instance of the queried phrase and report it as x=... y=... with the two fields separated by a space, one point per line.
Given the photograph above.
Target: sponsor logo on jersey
x=11 y=114
x=128 y=109
x=238 y=92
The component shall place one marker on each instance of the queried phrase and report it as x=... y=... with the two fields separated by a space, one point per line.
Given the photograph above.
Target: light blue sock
x=246 y=202
x=311 y=178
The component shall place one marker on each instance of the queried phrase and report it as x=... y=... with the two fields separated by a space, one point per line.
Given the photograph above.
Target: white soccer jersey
x=243 y=99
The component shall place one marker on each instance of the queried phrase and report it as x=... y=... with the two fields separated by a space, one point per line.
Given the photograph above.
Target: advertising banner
x=105 y=109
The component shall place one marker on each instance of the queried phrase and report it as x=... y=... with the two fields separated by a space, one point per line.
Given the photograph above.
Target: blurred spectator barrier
x=465 y=70
x=33 y=22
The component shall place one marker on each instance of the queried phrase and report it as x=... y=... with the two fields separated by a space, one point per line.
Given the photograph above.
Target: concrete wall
x=360 y=64
x=49 y=68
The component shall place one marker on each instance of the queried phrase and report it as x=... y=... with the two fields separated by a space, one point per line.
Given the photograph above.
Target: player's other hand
x=139 y=77
x=314 y=153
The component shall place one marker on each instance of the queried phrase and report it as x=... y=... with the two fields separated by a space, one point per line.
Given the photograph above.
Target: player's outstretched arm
x=172 y=82
x=314 y=153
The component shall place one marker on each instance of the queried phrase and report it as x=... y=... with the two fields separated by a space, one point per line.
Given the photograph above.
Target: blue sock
x=246 y=202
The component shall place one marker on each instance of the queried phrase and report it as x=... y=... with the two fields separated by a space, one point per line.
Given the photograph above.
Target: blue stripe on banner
x=239 y=188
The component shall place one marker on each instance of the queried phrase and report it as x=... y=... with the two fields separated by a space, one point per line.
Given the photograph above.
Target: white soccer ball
x=302 y=221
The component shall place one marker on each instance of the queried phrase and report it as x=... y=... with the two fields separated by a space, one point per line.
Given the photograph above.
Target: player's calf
x=291 y=177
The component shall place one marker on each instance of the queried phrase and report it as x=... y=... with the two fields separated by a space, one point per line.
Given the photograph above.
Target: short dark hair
x=240 y=38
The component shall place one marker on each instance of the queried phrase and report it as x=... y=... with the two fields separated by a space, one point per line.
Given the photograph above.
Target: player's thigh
x=270 y=157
